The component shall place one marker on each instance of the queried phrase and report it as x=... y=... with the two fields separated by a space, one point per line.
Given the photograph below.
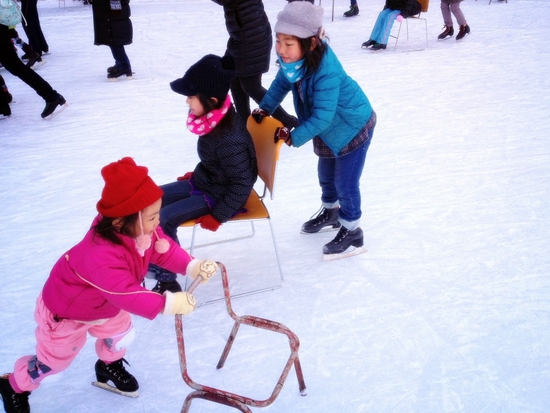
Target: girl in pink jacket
x=96 y=286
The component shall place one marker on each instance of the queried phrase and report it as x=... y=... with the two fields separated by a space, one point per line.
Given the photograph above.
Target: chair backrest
x=424 y=5
x=267 y=151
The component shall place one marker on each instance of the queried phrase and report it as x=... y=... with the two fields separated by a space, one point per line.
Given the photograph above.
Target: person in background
x=113 y=28
x=32 y=28
x=448 y=7
x=14 y=65
x=96 y=286
x=248 y=53
x=384 y=22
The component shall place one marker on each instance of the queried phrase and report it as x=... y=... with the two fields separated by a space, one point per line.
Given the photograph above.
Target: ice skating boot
x=162 y=286
x=345 y=244
x=124 y=383
x=464 y=30
x=326 y=220
x=13 y=402
x=116 y=73
x=7 y=95
x=448 y=31
x=353 y=11
x=31 y=55
x=52 y=105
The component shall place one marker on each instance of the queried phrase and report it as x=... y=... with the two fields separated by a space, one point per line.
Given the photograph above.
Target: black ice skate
x=13 y=402
x=326 y=220
x=162 y=286
x=115 y=73
x=448 y=31
x=124 y=383
x=353 y=11
x=464 y=30
x=52 y=106
x=345 y=244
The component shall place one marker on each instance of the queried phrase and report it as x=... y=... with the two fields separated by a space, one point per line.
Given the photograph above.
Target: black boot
x=378 y=46
x=117 y=374
x=448 y=31
x=13 y=402
x=353 y=11
x=116 y=73
x=325 y=218
x=111 y=69
x=52 y=105
x=464 y=30
x=368 y=43
x=343 y=240
x=31 y=55
x=162 y=286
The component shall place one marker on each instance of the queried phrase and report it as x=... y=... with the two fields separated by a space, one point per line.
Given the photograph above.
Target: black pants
x=244 y=88
x=14 y=65
x=32 y=28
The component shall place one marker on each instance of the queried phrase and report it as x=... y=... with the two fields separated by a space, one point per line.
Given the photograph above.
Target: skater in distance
x=113 y=28
x=96 y=286
x=221 y=182
x=448 y=7
x=392 y=10
x=333 y=111
x=14 y=65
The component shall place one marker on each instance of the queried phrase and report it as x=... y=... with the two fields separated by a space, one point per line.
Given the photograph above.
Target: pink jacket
x=96 y=279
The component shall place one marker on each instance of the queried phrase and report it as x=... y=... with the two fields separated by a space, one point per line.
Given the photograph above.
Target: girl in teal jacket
x=333 y=111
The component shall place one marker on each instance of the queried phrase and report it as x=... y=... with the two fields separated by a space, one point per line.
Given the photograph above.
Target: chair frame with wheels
x=237 y=401
x=424 y=9
x=267 y=157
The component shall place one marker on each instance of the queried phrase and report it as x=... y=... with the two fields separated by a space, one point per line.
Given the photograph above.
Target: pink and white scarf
x=201 y=125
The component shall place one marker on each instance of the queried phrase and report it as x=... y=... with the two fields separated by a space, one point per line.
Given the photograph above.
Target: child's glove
x=208 y=222
x=205 y=268
x=259 y=114
x=185 y=177
x=284 y=134
x=178 y=303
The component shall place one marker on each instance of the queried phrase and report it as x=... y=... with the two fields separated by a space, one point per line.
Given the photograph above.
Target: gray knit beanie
x=301 y=19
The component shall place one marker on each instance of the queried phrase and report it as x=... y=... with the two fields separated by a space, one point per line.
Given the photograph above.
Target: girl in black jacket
x=221 y=182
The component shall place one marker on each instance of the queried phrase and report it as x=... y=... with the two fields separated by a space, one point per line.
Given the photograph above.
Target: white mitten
x=178 y=303
x=205 y=268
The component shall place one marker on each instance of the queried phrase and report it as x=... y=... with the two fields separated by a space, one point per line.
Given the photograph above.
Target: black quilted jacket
x=407 y=7
x=251 y=39
x=227 y=169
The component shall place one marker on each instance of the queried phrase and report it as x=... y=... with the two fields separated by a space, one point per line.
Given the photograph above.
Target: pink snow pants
x=59 y=342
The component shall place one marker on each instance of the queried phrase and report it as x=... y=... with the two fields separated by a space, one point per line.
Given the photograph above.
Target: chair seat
x=255 y=209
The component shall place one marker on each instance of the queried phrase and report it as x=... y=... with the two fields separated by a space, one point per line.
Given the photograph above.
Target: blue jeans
x=339 y=180
x=178 y=206
x=382 y=27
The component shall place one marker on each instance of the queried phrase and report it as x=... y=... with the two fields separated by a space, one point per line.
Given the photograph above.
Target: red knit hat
x=128 y=189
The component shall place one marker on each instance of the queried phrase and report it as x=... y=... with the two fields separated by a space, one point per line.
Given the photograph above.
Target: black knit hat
x=207 y=77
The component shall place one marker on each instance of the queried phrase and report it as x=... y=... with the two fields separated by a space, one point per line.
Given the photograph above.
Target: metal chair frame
x=224 y=397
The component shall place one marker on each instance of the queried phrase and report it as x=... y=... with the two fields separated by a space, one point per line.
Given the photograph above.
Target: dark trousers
x=14 y=65
x=32 y=28
x=244 y=88
x=121 y=58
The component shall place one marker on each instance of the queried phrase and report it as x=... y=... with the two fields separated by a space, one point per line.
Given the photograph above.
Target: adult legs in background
x=122 y=62
x=244 y=88
x=32 y=28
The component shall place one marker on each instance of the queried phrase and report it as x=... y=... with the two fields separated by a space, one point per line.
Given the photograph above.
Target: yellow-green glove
x=205 y=268
x=178 y=303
